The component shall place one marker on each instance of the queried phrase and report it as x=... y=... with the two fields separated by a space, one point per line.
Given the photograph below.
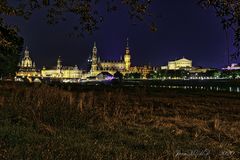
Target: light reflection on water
x=211 y=88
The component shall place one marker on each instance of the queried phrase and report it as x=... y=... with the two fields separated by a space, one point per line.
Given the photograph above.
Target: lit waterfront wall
x=28 y=74
x=66 y=73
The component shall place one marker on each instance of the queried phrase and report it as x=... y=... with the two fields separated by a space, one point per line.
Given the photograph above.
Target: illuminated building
x=102 y=69
x=233 y=66
x=127 y=58
x=98 y=65
x=27 y=67
x=199 y=70
x=67 y=72
x=182 y=63
x=142 y=70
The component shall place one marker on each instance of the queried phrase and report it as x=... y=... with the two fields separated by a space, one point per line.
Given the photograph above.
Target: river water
x=207 y=88
x=208 y=85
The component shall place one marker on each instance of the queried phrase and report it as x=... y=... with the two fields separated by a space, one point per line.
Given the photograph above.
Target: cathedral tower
x=27 y=62
x=94 y=59
x=127 y=58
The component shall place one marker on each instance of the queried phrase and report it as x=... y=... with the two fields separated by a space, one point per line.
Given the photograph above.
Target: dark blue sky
x=184 y=29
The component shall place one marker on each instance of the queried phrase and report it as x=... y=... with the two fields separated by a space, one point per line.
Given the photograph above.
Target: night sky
x=184 y=29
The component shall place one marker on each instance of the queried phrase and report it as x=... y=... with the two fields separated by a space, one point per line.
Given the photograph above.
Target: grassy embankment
x=44 y=122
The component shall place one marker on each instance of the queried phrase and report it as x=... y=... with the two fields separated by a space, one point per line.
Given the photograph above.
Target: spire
x=127 y=57
x=59 y=63
x=94 y=58
x=59 y=59
x=94 y=51
x=127 y=47
x=26 y=52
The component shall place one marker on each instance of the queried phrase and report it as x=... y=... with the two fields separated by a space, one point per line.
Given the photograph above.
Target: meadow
x=40 y=121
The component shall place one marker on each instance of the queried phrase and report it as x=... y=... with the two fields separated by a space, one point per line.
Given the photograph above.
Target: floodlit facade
x=233 y=66
x=27 y=67
x=66 y=72
x=182 y=63
x=98 y=65
x=143 y=70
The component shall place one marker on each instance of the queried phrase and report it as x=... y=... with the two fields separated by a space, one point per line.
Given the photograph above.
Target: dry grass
x=117 y=123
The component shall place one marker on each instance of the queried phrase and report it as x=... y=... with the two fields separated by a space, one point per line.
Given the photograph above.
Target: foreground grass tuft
x=51 y=122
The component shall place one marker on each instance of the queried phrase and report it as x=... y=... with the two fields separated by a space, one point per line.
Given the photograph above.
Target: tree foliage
x=134 y=75
x=10 y=47
x=88 y=12
x=229 y=13
x=90 y=16
x=118 y=75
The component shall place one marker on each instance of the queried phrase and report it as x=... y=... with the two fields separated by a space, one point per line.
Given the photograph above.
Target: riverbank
x=39 y=121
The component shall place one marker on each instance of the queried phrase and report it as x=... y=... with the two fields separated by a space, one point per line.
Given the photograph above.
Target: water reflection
x=211 y=88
